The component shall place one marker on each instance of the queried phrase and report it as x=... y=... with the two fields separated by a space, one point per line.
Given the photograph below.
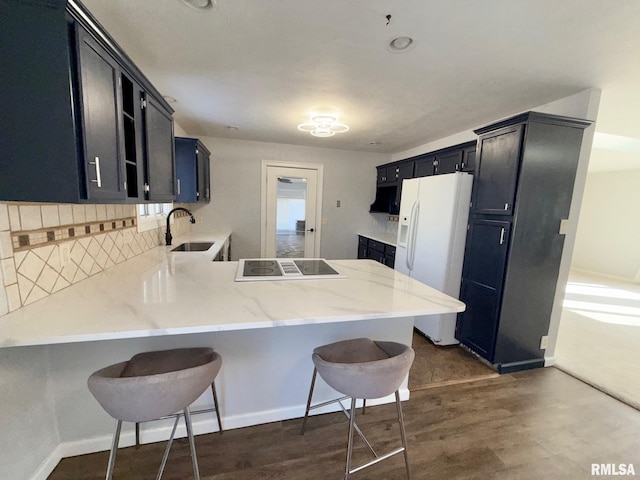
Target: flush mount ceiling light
x=323 y=126
x=200 y=4
x=401 y=44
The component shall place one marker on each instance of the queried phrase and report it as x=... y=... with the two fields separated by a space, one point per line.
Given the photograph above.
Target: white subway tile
x=79 y=214
x=91 y=214
x=9 y=271
x=50 y=216
x=30 y=217
x=13 y=297
x=6 y=248
x=4 y=217
x=14 y=218
x=66 y=214
x=101 y=212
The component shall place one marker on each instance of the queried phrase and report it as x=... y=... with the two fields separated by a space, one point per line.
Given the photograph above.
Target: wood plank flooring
x=443 y=365
x=538 y=424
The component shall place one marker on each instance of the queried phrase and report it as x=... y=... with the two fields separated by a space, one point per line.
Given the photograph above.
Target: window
x=152 y=215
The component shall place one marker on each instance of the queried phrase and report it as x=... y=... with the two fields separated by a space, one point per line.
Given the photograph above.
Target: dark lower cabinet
x=369 y=248
x=483 y=275
x=512 y=255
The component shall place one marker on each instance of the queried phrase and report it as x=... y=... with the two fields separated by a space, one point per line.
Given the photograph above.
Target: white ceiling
x=265 y=66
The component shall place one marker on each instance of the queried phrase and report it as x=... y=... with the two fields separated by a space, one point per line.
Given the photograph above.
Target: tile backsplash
x=47 y=247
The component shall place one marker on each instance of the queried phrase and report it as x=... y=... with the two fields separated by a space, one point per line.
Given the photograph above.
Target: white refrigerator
x=432 y=232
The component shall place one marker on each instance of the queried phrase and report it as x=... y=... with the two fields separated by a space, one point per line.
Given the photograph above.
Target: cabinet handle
x=506 y=206
x=98 y=179
x=501 y=236
x=178 y=186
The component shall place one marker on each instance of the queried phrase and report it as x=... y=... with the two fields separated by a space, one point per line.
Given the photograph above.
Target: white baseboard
x=549 y=361
x=202 y=424
x=46 y=467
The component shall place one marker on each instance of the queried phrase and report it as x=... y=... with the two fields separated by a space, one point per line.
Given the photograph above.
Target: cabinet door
x=424 y=167
x=159 y=153
x=100 y=119
x=386 y=175
x=482 y=281
x=469 y=160
x=448 y=163
x=403 y=171
x=497 y=171
x=186 y=170
x=204 y=181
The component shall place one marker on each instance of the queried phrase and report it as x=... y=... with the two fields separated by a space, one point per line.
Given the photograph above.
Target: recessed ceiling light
x=375 y=144
x=231 y=127
x=401 y=44
x=200 y=4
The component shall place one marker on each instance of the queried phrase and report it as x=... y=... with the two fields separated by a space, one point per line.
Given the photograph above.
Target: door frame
x=319 y=168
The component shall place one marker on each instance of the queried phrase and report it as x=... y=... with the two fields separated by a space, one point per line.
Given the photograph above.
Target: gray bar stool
x=155 y=387
x=167 y=360
x=363 y=369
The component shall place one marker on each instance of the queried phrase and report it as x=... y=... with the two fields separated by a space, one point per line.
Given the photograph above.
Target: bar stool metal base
x=195 y=412
x=353 y=427
x=192 y=446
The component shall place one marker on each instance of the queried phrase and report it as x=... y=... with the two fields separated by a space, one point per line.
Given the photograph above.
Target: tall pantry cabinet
x=523 y=187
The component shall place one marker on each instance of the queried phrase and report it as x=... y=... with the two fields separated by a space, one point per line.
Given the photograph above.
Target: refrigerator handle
x=411 y=242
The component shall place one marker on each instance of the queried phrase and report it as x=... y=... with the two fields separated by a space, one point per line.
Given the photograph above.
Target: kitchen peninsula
x=162 y=299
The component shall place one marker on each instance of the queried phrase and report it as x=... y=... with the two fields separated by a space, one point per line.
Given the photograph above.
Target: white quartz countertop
x=388 y=238
x=163 y=293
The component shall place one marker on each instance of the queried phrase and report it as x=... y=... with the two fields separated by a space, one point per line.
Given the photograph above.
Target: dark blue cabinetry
x=523 y=185
x=192 y=171
x=80 y=122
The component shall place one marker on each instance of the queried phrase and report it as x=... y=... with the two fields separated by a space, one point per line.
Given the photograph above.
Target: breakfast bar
x=265 y=332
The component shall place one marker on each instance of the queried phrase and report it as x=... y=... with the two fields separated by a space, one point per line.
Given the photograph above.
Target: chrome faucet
x=167 y=236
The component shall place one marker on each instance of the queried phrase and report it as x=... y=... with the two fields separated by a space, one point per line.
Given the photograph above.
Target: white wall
x=609 y=227
x=235 y=192
x=28 y=412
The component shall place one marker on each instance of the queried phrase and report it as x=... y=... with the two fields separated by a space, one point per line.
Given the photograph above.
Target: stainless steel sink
x=193 y=247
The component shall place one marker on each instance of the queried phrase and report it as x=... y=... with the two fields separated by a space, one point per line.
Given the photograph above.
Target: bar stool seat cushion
x=363 y=368
x=163 y=361
x=153 y=385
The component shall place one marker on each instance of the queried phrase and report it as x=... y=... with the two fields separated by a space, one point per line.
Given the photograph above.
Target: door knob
x=311 y=230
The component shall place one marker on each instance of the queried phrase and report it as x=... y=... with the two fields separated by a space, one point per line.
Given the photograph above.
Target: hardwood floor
x=538 y=424
x=436 y=366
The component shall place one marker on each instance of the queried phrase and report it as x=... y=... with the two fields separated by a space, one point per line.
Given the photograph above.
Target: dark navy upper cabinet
x=159 y=152
x=525 y=173
x=99 y=79
x=75 y=131
x=38 y=141
x=424 y=166
x=192 y=171
x=449 y=162
x=497 y=174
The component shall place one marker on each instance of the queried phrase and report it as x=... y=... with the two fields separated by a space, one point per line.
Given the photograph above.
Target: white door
x=290 y=210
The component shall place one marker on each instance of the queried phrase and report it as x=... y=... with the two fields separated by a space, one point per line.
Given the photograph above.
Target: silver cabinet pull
x=506 y=206
x=501 y=236
x=98 y=179
x=178 y=186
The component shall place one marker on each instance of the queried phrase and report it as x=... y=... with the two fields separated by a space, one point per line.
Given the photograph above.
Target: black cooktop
x=287 y=267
